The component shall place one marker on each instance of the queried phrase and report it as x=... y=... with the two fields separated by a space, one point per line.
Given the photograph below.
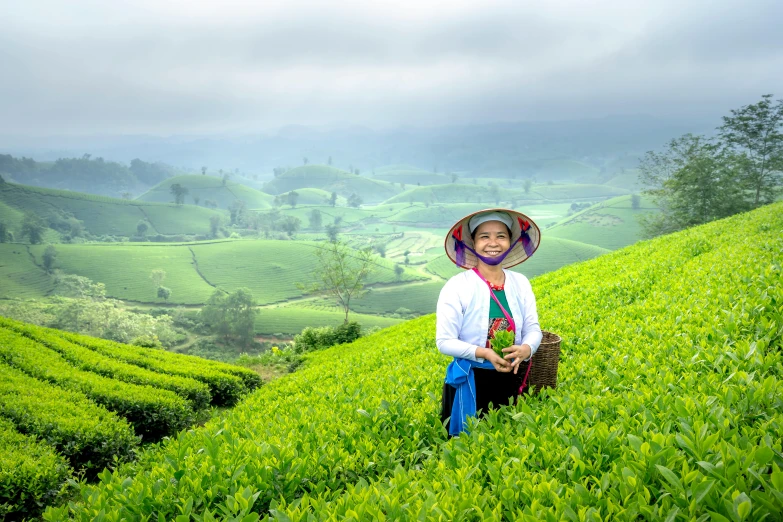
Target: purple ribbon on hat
x=460 y=247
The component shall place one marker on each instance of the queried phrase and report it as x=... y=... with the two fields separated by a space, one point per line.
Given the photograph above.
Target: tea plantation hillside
x=100 y=215
x=70 y=402
x=208 y=188
x=332 y=179
x=193 y=271
x=669 y=407
x=611 y=224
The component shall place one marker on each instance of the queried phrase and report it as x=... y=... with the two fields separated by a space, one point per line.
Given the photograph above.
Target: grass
x=20 y=278
x=208 y=188
x=125 y=270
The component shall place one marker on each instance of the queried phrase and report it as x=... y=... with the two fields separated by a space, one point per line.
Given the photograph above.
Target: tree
x=49 y=257
x=141 y=228
x=398 y=271
x=636 y=201
x=527 y=185
x=354 y=200
x=333 y=199
x=693 y=181
x=332 y=231
x=341 y=273
x=214 y=225
x=290 y=225
x=230 y=315
x=304 y=160
x=179 y=192
x=33 y=227
x=164 y=293
x=203 y=171
x=454 y=178
x=196 y=199
x=293 y=197
x=127 y=195
x=157 y=276
x=3 y=233
x=315 y=219
x=237 y=211
x=756 y=133
x=381 y=249
x=225 y=178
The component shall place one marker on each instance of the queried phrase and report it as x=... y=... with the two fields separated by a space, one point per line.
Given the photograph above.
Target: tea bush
x=669 y=407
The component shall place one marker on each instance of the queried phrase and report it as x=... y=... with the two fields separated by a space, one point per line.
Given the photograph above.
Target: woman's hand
x=516 y=354
x=497 y=361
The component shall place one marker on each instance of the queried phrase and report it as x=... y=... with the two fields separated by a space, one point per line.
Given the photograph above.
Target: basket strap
x=527 y=373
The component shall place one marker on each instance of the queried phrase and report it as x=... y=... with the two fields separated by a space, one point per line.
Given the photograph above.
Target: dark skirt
x=492 y=388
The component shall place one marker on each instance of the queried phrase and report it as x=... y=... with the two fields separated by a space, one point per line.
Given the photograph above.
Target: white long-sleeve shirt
x=463 y=314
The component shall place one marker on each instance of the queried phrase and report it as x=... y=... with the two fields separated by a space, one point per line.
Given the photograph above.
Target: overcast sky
x=170 y=66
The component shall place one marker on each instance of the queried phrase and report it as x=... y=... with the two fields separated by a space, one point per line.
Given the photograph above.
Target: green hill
x=611 y=224
x=314 y=196
x=101 y=215
x=668 y=405
x=331 y=180
x=269 y=268
x=577 y=191
x=410 y=175
x=208 y=188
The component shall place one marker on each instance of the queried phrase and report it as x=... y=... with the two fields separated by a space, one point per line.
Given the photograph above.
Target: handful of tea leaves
x=502 y=339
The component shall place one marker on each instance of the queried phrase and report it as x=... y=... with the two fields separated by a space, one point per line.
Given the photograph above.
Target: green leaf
x=670 y=477
x=702 y=490
x=764 y=455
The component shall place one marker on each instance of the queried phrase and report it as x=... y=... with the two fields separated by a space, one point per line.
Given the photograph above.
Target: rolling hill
x=208 y=188
x=611 y=224
x=668 y=406
x=332 y=179
x=101 y=215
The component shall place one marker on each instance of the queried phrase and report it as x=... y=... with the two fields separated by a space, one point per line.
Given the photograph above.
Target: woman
x=484 y=299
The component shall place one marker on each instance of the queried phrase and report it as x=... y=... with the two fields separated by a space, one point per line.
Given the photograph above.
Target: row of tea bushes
x=89 y=360
x=31 y=473
x=227 y=383
x=668 y=408
x=154 y=413
x=88 y=435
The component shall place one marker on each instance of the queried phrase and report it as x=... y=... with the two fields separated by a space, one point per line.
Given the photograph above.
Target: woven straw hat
x=522 y=249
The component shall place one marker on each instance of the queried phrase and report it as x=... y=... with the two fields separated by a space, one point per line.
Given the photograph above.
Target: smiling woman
x=486 y=316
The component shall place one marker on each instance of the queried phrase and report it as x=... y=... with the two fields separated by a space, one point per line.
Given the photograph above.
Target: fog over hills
x=473 y=148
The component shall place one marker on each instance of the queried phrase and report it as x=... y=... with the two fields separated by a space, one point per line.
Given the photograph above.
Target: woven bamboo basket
x=543 y=374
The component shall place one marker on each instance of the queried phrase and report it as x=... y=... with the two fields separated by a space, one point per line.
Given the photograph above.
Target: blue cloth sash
x=459 y=375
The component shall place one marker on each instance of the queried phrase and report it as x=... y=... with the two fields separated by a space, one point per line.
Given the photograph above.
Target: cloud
x=167 y=67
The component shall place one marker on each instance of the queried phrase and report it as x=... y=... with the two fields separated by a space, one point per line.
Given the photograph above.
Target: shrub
x=84 y=359
x=31 y=473
x=87 y=434
x=154 y=413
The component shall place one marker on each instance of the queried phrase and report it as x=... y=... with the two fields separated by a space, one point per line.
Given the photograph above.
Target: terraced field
x=576 y=192
x=419 y=298
x=612 y=224
x=271 y=269
x=410 y=175
x=314 y=197
x=208 y=188
x=73 y=403
x=125 y=270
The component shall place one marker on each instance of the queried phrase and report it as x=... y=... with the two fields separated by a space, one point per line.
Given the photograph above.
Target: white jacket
x=463 y=314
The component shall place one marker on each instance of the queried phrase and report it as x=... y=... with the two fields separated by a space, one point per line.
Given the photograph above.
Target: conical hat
x=519 y=254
